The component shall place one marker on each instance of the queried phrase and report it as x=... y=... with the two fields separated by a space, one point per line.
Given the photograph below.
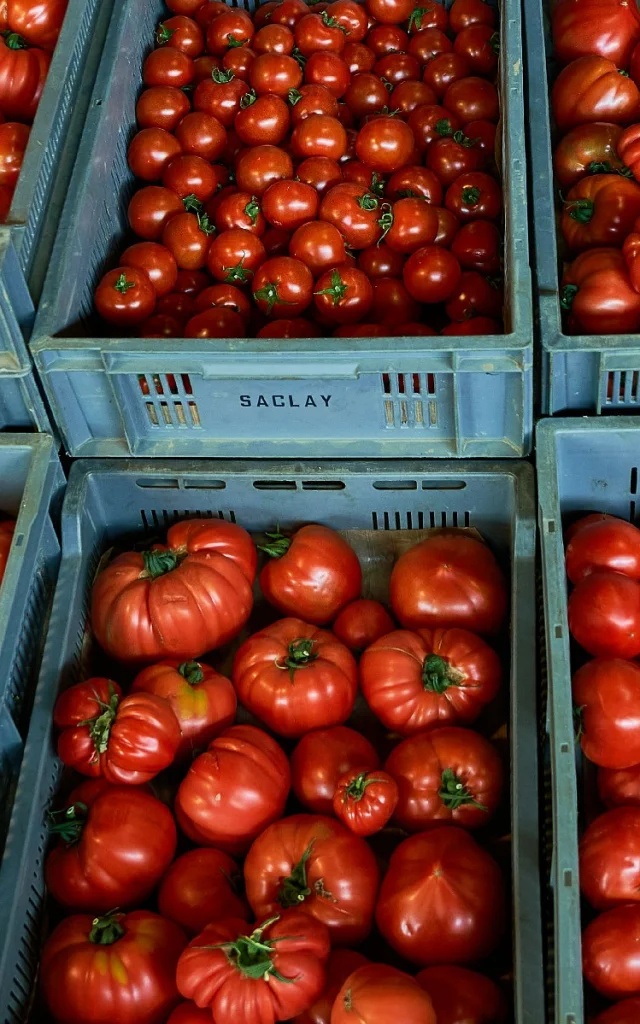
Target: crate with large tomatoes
x=286 y=760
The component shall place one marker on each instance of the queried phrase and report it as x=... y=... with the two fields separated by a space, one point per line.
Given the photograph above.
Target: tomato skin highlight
x=607 y=692
x=321 y=757
x=377 y=993
x=604 y=615
x=610 y=859
x=609 y=958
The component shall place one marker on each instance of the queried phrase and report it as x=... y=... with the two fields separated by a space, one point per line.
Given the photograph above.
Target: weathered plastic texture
x=31 y=490
x=141 y=498
x=587 y=373
x=583 y=465
x=470 y=396
x=21 y=404
x=42 y=186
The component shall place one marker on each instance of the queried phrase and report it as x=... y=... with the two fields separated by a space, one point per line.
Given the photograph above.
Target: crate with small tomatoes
x=590 y=540
x=583 y=67
x=282 y=766
x=309 y=222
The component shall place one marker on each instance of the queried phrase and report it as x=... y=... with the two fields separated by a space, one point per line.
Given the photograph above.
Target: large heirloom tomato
x=626 y=1012
x=608 y=28
x=604 y=614
x=599 y=210
x=442 y=899
x=461 y=996
x=594 y=89
x=233 y=791
x=629 y=149
x=587 y=149
x=610 y=859
x=115 y=844
x=319 y=760
x=203 y=701
x=36 y=21
x=295 y=677
x=23 y=70
x=619 y=787
x=414 y=680
x=603 y=543
x=610 y=952
x=118 y=968
x=180 y=600
x=376 y=994
x=446 y=775
x=200 y=887
x=123 y=739
x=317 y=864
x=365 y=800
x=312 y=575
x=449 y=579
x=256 y=976
x=607 y=693
x=341 y=963
x=597 y=292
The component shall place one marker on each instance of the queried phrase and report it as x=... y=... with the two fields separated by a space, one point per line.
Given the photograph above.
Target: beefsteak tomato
x=619 y=787
x=604 y=614
x=201 y=887
x=365 y=800
x=376 y=994
x=598 y=294
x=607 y=28
x=610 y=952
x=588 y=149
x=37 y=21
x=599 y=210
x=603 y=543
x=606 y=691
x=23 y=72
x=188 y=1013
x=321 y=757
x=461 y=996
x=593 y=89
x=341 y=963
x=610 y=859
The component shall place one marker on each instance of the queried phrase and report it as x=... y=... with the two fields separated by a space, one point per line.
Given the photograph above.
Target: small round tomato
x=477 y=246
x=343 y=295
x=593 y=89
x=319 y=760
x=162 y=106
x=182 y=34
x=188 y=7
x=609 y=859
x=408 y=95
x=413 y=224
x=384 y=39
x=320 y=172
x=414 y=182
x=472 y=99
x=259 y=167
x=459 y=994
x=161 y=325
x=232 y=28
x=453 y=156
x=356 y=172
x=188 y=237
x=476 y=196
x=390 y=12
x=358 y=57
x=480 y=45
x=398 y=67
x=190 y=176
x=318 y=32
x=311 y=99
x=351 y=17
x=428 y=44
x=392 y=304
x=380 y=261
x=430 y=122
x=319 y=245
x=168 y=66
x=156 y=261
x=319 y=135
x=273 y=39
x=619 y=787
x=177 y=305
x=385 y=144
x=203 y=68
x=362 y=622
x=151 y=150
x=235 y=255
x=275 y=73
x=609 y=952
x=365 y=800
x=226 y=296
x=604 y=615
x=202 y=886
x=240 y=210
x=282 y=286
x=431 y=274
x=607 y=692
x=288 y=13
x=220 y=96
x=470 y=12
x=125 y=296
x=476 y=295
x=238 y=60
x=328 y=69
x=366 y=95
x=355 y=212
x=297 y=327
x=262 y=120
x=150 y=209
x=445 y=69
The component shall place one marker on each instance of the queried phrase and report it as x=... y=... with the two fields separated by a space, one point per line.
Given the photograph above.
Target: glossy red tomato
x=480 y=45
x=125 y=296
x=288 y=13
x=587 y=149
x=610 y=859
x=379 y=993
x=461 y=996
x=413 y=223
x=390 y=12
x=477 y=246
x=235 y=255
x=275 y=73
x=182 y=34
x=351 y=17
x=240 y=210
x=472 y=99
x=442 y=899
x=476 y=296
x=13 y=143
x=156 y=261
x=319 y=32
x=449 y=580
x=168 y=66
x=341 y=963
x=445 y=69
x=297 y=327
x=282 y=286
x=414 y=182
x=233 y=791
x=599 y=210
x=358 y=57
x=593 y=89
x=603 y=542
x=471 y=12
x=273 y=39
x=37 y=22
x=451 y=156
x=361 y=622
x=343 y=295
x=114 y=845
x=619 y=787
x=189 y=7
x=609 y=952
x=385 y=144
x=446 y=775
x=477 y=196
x=429 y=43
x=318 y=865
x=606 y=28
x=23 y=72
x=220 y=96
x=320 y=172
x=398 y=67
x=161 y=325
x=201 y=886
x=151 y=150
x=150 y=209
x=311 y=99
x=598 y=293
x=238 y=60
x=365 y=800
x=201 y=135
x=260 y=166
x=263 y=120
x=290 y=204
x=604 y=614
x=319 y=135
x=328 y=69
x=477 y=325
x=231 y=28
x=409 y=95
x=607 y=692
x=431 y=274
x=319 y=245
x=162 y=106
x=380 y=261
x=392 y=304
x=295 y=677
x=321 y=757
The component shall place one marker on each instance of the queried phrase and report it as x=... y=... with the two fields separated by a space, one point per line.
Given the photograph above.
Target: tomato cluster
x=29 y=31
x=596 y=105
x=179 y=802
x=314 y=170
x=603 y=565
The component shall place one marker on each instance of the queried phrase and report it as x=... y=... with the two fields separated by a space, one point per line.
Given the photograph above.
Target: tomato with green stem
x=409 y=224
x=316 y=32
x=238 y=60
x=262 y=120
x=275 y=73
x=343 y=295
x=231 y=28
x=365 y=800
x=217 y=322
x=480 y=46
x=378 y=993
x=366 y=94
x=235 y=256
x=282 y=286
x=606 y=695
x=476 y=295
x=600 y=210
x=321 y=757
x=187 y=236
x=240 y=210
x=188 y=175
x=311 y=99
x=475 y=196
x=182 y=34
x=220 y=96
x=156 y=261
x=201 y=886
x=430 y=122
x=351 y=17
x=150 y=209
x=23 y=72
x=597 y=293
x=151 y=150
x=341 y=963
x=408 y=95
x=593 y=89
x=429 y=43
x=451 y=156
x=390 y=12
x=445 y=69
x=387 y=38
x=355 y=211
x=125 y=296
x=39 y=24
x=227 y=296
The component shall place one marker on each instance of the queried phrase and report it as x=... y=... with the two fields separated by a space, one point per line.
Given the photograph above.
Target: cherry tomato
x=390 y=12
x=358 y=57
x=431 y=15
x=151 y=150
x=259 y=167
x=220 y=322
x=476 y=196
x=351 y=17
x=328 y=69
x=201 y=135
x=168 y=66
x=177 y=305
x=226 y=295
x=156 y=261
x=429 y=43
x=450 y=157
x=384 y=39
x=275 y=73
x=182 y=34
x=161 y=325
x=238 y=60
x=273 y=39
x=385 y=144
x=240 y=210
x=190 y=176
x=298 y=327
x=203 y=68
x=414 y=223
x=398 y=67
x=430 y=122
x=162 y=106
x=311 y=99
x=380 y=261
x=319 y=245
x=282 y=286
x=319 y=135
x=431 y=274
x=188 y=237
x=125 y=296
x=619 y=787
x=263 y=120
x=289 y=204
x=472 y=99
x=365 y=800
x=317 y=32
x=289 y=12
x=477 y=246
x=320 y=172
x=408 y=95
x=366 y=94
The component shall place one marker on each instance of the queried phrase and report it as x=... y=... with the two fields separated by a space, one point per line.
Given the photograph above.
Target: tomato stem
x=252 y=210
x=580 y=210
x=471 y=195
x=248 y=98
x=158 y=563
x=578 y=721
x=294 y=96
x=163 y=35
x=238 y=274
x=299 y=655
x=106 y=930
x=122 y=285
x=15 y=41
x=233 y=43
x=443 y=127
x=221 y=77
x=567 y=295
x=358 y=786
x=455 y=794
x=71 y=824
x=253 y=955
x=385 y=221
x=337 y=290
x=100 y=725
x=437 y=674
x=294 y=889
x=278 y=548
x=269 y=294
x=464 y=140
x=192 y=672
x=494 y=43
x=415 y=21
x=368 y=202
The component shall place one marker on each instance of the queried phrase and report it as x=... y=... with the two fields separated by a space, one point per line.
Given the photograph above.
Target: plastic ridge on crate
x=440 y=396
x=21 y=404
x=588 y=373
x=31 y=489
x=106 y=500
x=583 y=465
x=43 y=183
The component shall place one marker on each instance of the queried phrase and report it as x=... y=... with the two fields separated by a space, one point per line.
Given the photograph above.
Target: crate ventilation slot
x=410 y=400
x=158 y=520
x=621 y=389
x=420 y=520
x=168 y=401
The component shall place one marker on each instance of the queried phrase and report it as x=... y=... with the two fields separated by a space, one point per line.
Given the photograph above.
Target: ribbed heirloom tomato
x=202 y=886
x=365 y=800
x=599 y=210
x=607 y=692
x=610 y=859
x=23 y=71
x=606 y=28
x=593 y=89
x=39 y=23
x=597 y=293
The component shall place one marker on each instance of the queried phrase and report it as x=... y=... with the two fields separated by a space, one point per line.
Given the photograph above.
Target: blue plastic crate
x=31 y=489
x=48 y=162
x=584 y=465
x=582 y=373
x=390 y=397
x=105 y=500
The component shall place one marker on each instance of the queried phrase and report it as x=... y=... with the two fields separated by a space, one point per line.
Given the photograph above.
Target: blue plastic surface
x=141 y=499
x=470 y=396
x=579 y=372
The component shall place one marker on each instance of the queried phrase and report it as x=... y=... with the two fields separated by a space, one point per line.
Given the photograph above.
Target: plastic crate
x=389 y=397
x=31 y=489
x=587 y=373
x=44 y=180
x=21 y=404
x=108 y=499
x=584 y=465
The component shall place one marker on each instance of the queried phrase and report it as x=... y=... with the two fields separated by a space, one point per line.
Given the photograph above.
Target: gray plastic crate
x=31 y=486
x=587 y=373
x=44 y=179
x=584 y=465
x=391 y=397
x=140 y=498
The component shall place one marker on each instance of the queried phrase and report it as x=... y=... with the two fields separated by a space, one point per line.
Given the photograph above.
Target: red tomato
x=318 y=32
x=380 y=261
x=414 y=182
x=233 y=791
x=319 y=135
x=162 y=106
x=150 y=152
x=429 y=16
x=125 y=296
x=399 y=67
x=477 y=325
x=599 y=210
x=37 y=22
x=446 y=775
x=256 y=976
x=472 y=99
x=358 y=57
x=343 y=295
x=461 y=996
x=603 y=543
x=320 y=172
x=231 y=28
x=619 y=787
x=312 y=99
x=477 y=246
x=604 y=615
x=23 y=72
x=263 y=120
x=607 y=692
x=328 y=69
x=341 y=963
x=240 y=210
x=390 y=12
x=365 y=800
x=150 y=209
x=606 y=28
x=6 y=198
x=587 y=149
x=387 y=39
x=408 y=95
x=409 y=224
x=385 y=145
x=202 y=886
x=470 y=12
x=480 y=46
x=188 y=1013
x=184 y=6
x=609 y=952
x=442 y=899
x=445 y=69
x=289 y=204
x=449 y=580
x=115 y=844
x=448 y=158
x=477 y=196
x=295 y=677
x=156 y=261
x=381 y=993
x=168 y=66
x=362 y=622
x=237 y=60
x=476 y=295
x=13 y=143
x=321 y=757
x=235 y=255
x=355 y=212
x=316 y=864
x=7 y=530
x=593 y=89
x=295 y=328
x=282 y=286
x=597 y=291
x=220 y=96
x=201 y=135
x=273 y=39
x=319 y=245
x=626 y=1012
x=351 y=17
x=182 y=34
x=161 y=325
x=122 y=966
x=628 y=150
x=275 y=73
x=259 y=167
x=431 y=274
x=610 y=859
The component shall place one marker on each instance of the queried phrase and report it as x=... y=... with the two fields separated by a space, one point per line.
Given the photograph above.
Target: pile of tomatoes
x=312 y=170
x=232 y=898
x=29 y=31
x=603 y=564
x=596 y=106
